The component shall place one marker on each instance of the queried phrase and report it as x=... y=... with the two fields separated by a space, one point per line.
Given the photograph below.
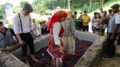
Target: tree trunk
x=69 y=4
x=103 y=2
x=90 y=3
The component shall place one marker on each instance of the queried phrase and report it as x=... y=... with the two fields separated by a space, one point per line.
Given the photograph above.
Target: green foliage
x=37 y=21
x=22 y=2
x=10 y=24
x=16 y=9
x=40 y=5
x=2 y=13
x=106 y=6
x=19 y=7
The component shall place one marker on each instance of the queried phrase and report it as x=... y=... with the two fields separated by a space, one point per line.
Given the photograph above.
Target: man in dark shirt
x=7 y=36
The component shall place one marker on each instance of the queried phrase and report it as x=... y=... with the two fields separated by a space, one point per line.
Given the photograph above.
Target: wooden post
x=90 y=3
x=69 y=4
x=103 y=2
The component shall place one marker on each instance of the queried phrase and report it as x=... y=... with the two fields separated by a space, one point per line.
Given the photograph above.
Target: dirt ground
x=111 y=62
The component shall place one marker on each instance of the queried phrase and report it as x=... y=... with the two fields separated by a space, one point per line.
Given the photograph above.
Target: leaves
x=40 y=5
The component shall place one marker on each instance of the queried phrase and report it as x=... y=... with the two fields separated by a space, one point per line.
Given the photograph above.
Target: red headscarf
x=69 y=13
x=57 y=17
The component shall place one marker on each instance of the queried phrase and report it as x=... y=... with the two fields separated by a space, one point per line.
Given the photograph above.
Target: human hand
x=111 y=37
x=21 y=42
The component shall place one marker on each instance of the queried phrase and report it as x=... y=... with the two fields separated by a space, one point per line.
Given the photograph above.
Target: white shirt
x=114 y=20
x=26 y=24
x=56 y=30
x=35 y=29
x=117 y=21
x=117 y=18
x=111 y=24
x=94 y=23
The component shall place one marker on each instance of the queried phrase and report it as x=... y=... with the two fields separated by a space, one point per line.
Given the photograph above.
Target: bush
x=10 y=24
x=37 y=21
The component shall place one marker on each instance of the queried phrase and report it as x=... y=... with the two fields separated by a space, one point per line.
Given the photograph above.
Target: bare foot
x=61 y=49
x=26 y=62
x=73 y=53
x=34 y=59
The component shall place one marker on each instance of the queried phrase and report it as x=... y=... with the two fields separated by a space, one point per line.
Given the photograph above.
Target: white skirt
x=69 y=44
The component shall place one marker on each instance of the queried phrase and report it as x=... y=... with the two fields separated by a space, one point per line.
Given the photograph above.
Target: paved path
x=111 y=62
x=1 y=61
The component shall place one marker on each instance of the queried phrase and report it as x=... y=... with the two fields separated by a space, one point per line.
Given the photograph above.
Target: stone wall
x=40 y=42
x=91 y=56
x=10 y=59
x=85 y=36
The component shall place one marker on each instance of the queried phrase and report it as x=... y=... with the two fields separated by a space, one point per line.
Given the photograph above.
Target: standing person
x=85 y=20
x=55 y=44
x=104 y=24
x=35 y=28
x=23 y=30
x=105 y=16
x=96 y=21
x=113 y=30
x=68 y=37
x=76 y=21
x=110 y=13
x=80 y=21
x=75 y=14
x=43 y=28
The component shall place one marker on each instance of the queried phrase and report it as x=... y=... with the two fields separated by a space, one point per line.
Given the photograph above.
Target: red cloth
x=57 y=17
x=54 y=49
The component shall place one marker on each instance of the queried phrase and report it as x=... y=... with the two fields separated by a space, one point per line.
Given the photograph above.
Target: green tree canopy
x=40 y=5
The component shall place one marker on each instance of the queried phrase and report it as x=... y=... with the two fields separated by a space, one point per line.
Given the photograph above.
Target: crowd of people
x=61 y=28
x=102 y=21
x=99 y=22
x=40 y=29
x=113 y=31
